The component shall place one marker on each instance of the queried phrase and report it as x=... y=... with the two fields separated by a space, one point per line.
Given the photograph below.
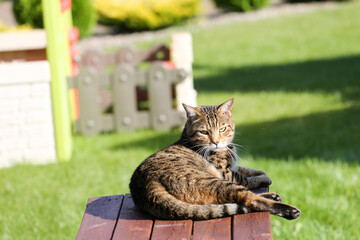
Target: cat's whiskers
x=201 y=151
x=204 y=151
x=233 y=158
x=198 y=145
x=237 y=133
x=207 y=153
x=237 y=157
x=236 y=144
x=239 y=147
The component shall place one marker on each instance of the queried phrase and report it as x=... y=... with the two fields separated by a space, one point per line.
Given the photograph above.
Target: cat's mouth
x=216 y=147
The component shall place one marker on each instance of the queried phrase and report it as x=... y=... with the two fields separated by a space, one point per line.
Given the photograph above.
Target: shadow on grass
x=331 y=136
x=154 y=143
x=340 y=75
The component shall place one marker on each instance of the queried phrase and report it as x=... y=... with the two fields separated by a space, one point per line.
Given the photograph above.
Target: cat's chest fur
x=222 y=163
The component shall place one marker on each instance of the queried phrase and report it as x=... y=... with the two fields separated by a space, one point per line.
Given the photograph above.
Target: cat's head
x=211 y=127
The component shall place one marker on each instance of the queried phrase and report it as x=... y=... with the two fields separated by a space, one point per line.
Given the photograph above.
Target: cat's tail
x=163 y=205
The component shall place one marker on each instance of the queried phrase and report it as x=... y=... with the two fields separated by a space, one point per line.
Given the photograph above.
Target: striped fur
x=197 y=177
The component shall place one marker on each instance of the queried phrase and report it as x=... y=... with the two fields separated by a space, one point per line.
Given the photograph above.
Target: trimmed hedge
x=145 y=14
x=30 y=12
x=241 y=5
x=306 y=1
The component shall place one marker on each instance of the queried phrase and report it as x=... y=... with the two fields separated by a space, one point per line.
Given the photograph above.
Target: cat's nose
x=216 y=142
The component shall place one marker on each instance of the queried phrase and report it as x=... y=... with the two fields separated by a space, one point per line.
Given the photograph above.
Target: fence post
x=182 y=55
x=128 y=55
x=93 y=58
x=90 y=115
x=125 y=101
x=159 y=96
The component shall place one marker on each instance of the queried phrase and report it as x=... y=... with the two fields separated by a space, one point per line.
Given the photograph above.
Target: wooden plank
x=159 y=96
x=143 y=119
x=125 y=107
x=90 y=114
x=100 y=218
x=164 y=230
x=213 y=229
x=252 y=226
x=105 y=99
x=132 y=223
x=108 y=122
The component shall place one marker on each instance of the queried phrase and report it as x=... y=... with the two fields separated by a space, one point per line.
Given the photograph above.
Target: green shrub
x=84 y=16
x=145 y=14
x=30 y=12
x=241 y=5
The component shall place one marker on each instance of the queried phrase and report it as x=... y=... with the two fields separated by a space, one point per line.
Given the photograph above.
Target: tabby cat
x=197 y=177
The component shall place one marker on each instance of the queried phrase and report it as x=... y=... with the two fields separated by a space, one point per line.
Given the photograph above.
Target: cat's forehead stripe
x=211 y=114
x=207 y=109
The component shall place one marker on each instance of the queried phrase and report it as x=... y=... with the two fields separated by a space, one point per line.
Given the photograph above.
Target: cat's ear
x=191 y=112
x=226 y=107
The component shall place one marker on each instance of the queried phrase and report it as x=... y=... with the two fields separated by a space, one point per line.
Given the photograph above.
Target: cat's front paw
x=266 y=180
x=258 y=181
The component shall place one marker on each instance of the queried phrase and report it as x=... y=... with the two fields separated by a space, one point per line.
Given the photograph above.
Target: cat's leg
x=268 y=202
x=213 y=190
x=227 y=192
x=250 y=178
x=276 y=208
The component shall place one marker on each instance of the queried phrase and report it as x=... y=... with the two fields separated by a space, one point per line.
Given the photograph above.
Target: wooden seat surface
x=116 y=217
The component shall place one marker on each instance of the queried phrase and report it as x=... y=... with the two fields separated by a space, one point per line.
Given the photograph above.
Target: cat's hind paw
x=288 y=212
x=292 y=214
x=272 y=196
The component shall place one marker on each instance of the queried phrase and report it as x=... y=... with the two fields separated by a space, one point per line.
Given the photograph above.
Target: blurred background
x=293 y=68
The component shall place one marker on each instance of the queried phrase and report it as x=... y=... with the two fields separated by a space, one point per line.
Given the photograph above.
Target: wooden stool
x=116 y=217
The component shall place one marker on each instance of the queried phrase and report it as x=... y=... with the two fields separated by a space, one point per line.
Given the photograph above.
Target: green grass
x=296 y=84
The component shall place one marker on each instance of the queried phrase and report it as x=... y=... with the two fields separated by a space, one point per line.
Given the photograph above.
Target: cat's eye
x=222 y=129
x=204 y=132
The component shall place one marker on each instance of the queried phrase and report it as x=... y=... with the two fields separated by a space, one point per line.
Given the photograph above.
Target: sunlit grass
x=295 y=80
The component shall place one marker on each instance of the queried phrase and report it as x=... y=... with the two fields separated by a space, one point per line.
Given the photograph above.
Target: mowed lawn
x=296 y=84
